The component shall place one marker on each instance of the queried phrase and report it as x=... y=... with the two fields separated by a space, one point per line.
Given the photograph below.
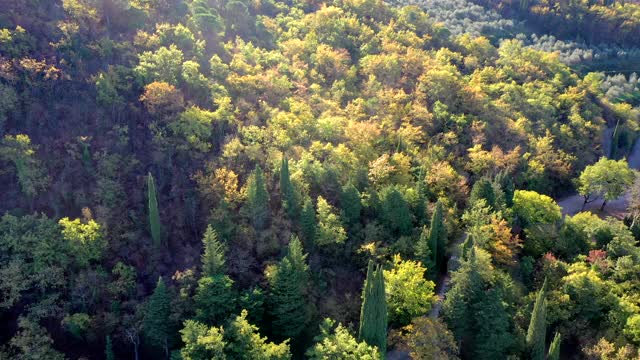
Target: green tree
x=288 y=296
x=491 y=336
x=423 y=252
x=213 y=258
x=85 y=240
x=505 y=183
x=32 y=342
x=164 y=65
x=157 y=324
x=108 y=349
x=329 y=229
x=408 y=293
x=287 y=192
x=257 y=199
x=373 y=314
x=607 y=178
x=395 y=212
x=483 y=189
x=206 y=18
x=336 y=343
x=245 y=342
x=437 y=237
x=476 y=310
x=214 y=299
x=308 y=222
x=554 y=348
x=532 y=208
x=154 y=214
x=350 y=204
x=536 y=333
x=31 y=174
x=202 y=342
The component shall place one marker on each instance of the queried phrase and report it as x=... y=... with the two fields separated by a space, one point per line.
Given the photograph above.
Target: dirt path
x=572 y=204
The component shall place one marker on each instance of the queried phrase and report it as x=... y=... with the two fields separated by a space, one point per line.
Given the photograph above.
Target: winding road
x=570 y=205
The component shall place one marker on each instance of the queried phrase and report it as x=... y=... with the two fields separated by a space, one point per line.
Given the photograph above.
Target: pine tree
x=213 y=258
x=287 y=192
x=308 y=222
x=154 y=213
x=536 y=333
x=108 y=349
x=483 y=189
x=157 y=324
x=214 y=299
x=258 y=200
x=437 y=237
x=373 y=314
x=554 y=348
x=288 y=297
x=350 y=204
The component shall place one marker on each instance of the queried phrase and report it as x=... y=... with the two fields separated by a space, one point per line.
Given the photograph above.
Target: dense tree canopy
x=205 y=179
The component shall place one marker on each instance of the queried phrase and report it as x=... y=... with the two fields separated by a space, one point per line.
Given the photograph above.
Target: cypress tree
x=536 y=333
x=437 y=237
x=288 y=297
x=287 y=192
x=213 y=255
x=154 y=213
x=258 y=199
x=108 y=349
x=554 y=348
x=420 y=209
x=373 y=314
x=156 y=325
x=308 y=222
x=350 y=204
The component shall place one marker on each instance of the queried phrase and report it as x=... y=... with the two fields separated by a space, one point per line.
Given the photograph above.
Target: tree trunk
x=603 y=205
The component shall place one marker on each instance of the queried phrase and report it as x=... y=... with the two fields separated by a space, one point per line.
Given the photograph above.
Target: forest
x=319 y=179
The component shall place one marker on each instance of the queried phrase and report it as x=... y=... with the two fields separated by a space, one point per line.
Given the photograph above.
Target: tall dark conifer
x=287 y=192
x=437 y=237
x=350 y=204
x=258 y=200
x=154 y=214
x=373 y=314
x=308 y=222
x=157 y=324
x=536 y=334
x=213 y=257
x=288 y=296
